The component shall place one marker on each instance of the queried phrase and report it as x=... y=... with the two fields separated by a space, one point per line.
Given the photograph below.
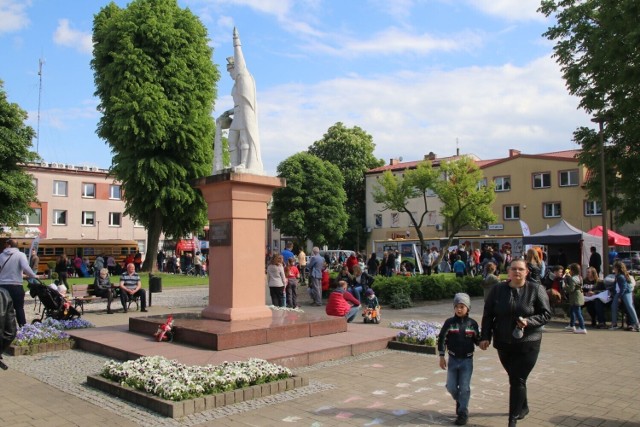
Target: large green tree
x=157 y=85
x=351 y=150
x=597 y=45
x=16 y=186
x=311 y=206
x=395 y=192
x=465 y=201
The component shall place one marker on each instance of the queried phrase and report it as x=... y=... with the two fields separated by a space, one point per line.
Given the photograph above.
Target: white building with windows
x=79 y=202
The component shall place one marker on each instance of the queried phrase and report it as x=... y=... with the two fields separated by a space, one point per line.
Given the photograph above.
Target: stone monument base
x=237 y=211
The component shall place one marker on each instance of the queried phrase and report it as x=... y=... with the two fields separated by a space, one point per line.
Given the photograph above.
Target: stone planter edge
x=183 y=408
x=416 y=348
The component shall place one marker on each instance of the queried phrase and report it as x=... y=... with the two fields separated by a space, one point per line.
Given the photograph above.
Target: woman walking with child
x=276 y=280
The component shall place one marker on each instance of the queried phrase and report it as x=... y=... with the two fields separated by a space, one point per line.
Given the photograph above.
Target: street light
x=98 y=229
x=603 y=202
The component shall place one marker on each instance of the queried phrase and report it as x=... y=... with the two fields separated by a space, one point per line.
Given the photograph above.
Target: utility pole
x=40 y=64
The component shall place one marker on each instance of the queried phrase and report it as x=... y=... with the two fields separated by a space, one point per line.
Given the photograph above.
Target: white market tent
x=574 y=242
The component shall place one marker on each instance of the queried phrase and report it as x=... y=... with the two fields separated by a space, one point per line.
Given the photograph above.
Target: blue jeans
x=576 y=314
x=459 y=381
x=352 y=313
x=356 y=291
x=627 y=300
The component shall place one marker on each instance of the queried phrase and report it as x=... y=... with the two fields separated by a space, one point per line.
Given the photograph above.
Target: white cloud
x=67 y=36
x=512 y=10
x=394 y=41
x=13 y=15
x=409 y=114
x=278 y=8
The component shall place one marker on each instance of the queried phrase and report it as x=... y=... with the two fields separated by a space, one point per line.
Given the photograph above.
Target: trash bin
x=155 y=285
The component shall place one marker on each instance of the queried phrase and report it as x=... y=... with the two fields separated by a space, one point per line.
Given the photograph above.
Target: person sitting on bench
x=103 y=288
x=130 y=286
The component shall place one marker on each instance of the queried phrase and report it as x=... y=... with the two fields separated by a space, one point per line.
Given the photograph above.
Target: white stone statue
x=241 y=120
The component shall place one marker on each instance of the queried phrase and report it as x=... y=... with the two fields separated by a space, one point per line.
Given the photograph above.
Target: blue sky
x=418 y=75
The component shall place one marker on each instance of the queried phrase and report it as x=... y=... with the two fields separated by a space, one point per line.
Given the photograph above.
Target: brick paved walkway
x=580 y=380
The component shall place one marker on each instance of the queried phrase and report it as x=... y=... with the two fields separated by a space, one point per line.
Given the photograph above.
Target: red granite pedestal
x=193 y=329
x=237 y=211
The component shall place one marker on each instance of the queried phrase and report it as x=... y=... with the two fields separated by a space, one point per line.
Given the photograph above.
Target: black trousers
x=518 y=364
x=16 y=292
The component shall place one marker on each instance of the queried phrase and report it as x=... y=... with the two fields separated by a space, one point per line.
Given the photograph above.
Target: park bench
x=84 y=294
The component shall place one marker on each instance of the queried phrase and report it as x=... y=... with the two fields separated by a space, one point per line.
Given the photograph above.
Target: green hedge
x=426 y=288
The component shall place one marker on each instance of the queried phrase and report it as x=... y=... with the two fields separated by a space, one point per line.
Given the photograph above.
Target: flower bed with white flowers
x=175 y=390
x=45 y=336
x=416 y=335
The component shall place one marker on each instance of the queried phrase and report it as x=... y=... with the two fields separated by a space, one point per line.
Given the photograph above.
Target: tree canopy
x=395 y=192
x=465 y=202
x=157 y=85
x=16 y=186
x=311 y=206
x=351 y=150
x=597 y=45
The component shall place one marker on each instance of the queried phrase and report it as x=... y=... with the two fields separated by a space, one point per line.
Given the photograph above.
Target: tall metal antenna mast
x=40 y=64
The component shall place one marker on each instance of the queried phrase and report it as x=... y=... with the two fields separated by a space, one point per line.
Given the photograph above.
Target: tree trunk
x=153 y=236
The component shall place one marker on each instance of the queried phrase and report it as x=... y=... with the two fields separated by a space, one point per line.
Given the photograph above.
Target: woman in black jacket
x=514 y=313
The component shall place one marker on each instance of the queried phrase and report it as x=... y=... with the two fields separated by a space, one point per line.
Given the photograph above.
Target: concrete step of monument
x=118 y=342
x=193 y=329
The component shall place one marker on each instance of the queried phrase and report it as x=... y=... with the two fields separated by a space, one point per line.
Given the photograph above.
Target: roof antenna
x=40 y=64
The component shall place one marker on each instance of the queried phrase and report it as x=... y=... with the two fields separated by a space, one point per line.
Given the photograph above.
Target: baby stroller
x=55 y=305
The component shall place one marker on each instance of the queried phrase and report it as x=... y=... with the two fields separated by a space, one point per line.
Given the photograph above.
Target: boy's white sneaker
x=570 y=328
x=580 y=331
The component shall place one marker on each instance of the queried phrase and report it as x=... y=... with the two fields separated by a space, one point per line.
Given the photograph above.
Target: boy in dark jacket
x=459 y=334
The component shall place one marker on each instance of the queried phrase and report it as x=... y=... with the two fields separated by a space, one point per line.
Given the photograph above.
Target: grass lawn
x=168 y=280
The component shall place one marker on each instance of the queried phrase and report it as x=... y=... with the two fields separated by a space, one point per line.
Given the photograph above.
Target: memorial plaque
x=220 y=233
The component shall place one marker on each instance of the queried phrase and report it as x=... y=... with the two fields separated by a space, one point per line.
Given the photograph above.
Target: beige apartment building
x=78 y=202
x=537 y=189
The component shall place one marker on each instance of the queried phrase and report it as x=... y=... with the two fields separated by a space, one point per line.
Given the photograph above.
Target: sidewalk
x=580 y=380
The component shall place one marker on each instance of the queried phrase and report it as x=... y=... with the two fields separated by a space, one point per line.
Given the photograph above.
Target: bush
x=400 y=300
x=425 y=288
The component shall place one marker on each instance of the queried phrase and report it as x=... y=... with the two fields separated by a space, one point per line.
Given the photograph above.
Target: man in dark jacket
x=7 y=323
x=595 y=260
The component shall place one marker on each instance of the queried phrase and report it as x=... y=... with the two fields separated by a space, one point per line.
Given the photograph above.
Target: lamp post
x=603 y=202
x=98 y=222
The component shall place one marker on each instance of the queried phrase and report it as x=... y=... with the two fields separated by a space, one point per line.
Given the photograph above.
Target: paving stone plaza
x=579 y=380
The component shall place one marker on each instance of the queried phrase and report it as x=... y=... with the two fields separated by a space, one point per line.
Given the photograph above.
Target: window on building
x=89 y=190
x=482 y=183
x=395 y=219
x=60 y=188
x=34 y=181
x=115 y=219
x=378 y=220
x=34 y=218
x=542 y=180
x=569 y=178
x=512 y=212
x=592 y=208
x=115 y=192
x=88 y=218
x=59 y=217
x=431 y=193
x=136 y=224
x=503 y=183
x=552 y=210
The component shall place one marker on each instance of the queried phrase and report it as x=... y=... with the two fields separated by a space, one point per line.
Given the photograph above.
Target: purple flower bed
x=417 y=332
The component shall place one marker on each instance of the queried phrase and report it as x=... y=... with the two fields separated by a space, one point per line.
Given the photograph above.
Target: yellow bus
x=50 y=249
